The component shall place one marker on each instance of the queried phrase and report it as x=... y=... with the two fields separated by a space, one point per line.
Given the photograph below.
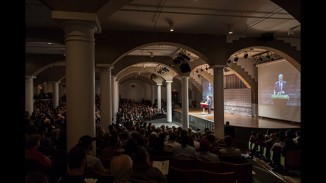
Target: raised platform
x=237 y=120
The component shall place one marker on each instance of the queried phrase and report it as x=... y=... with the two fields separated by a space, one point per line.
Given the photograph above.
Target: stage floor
x=244 y=121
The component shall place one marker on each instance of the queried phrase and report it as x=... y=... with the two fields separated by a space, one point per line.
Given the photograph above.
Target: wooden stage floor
x=244 y=121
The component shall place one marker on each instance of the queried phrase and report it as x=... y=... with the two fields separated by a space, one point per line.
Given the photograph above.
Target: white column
x=80 y=80
x=153 y=94
x=56 y=94
x=114 y=98
x=218 y=101
x=117 y=97
x=45 y=87
x=159 y=96
x=168 y=101
x=185 y=102
x=106 y=110
x=29 y=94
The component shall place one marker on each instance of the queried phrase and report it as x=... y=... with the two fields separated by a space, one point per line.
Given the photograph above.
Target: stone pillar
x=218 y=101
x=29 y=94
x=168 y=102
x=115 y=98
x=106 y=106
x=80 y=80
x=185 y=102
x=159 y=106
x=56 y=94
x=153 y=94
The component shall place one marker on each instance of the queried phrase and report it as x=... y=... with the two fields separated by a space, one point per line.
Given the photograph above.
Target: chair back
x=178 y=175
x=243 y=171
x=212 y=177
x=212 y=167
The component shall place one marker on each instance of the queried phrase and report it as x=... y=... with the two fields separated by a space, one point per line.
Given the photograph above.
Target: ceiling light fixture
x=171 y=27
x=230 y=30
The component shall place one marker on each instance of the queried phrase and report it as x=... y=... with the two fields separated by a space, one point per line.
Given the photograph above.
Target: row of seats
x=243 y=171
x=289 y=160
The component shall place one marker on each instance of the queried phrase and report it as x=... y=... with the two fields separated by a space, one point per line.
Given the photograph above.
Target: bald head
x=121 y=167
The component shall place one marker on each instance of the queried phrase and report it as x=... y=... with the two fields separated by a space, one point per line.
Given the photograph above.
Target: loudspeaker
x=267 y=36
x=184 y=68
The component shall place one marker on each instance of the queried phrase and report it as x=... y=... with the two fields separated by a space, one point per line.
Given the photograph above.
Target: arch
x=54 y=64
x=112 y=45
x=128 y=61
x=279 y=47
x=140 y=77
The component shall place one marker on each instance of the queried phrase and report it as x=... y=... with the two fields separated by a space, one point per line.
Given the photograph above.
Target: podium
x=280 y=99
x=203 y=105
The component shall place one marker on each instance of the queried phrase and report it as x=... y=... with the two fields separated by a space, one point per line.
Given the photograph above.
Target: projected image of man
x=280 y=86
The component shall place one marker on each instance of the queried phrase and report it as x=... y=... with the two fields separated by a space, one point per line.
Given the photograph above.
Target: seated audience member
x=186 y=151
x=93 y=162
x=204 y=154
x=113 y=149
x=229 y=151
x=171 y=144
x=142 y=168
x=34 y=156
x=121 y=168
x=77 y=163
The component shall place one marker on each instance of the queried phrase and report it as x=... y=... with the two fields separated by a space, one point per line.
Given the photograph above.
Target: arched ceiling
x=244 y=18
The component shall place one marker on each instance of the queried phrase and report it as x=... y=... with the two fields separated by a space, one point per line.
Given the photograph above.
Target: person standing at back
x=229 y=130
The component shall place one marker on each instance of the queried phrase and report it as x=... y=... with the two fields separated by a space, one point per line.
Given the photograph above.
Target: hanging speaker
x=184 y=68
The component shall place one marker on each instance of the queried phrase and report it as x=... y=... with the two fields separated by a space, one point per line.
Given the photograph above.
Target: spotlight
x=245 y=55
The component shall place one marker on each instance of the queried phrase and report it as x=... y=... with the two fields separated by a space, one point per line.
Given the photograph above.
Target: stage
x=241 y=120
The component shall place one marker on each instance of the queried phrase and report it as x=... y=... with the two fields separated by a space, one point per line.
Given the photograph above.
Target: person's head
x=86 y=142
x=227 y=123
x=76 y=158
x=280 y=77
x=204 y=145
x=121 y=167
x=228 y=140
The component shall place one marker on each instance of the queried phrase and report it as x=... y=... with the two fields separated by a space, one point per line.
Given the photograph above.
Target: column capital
x=219 y=66
x=184 y=76
x=72 y=17
x=105 y=68
x=168 y=81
